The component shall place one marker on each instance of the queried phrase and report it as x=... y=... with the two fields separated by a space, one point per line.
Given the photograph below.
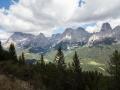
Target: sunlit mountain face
x=70 y=39
x=39 y=26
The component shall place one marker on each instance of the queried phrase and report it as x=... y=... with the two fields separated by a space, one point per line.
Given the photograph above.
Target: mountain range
x=69 y=39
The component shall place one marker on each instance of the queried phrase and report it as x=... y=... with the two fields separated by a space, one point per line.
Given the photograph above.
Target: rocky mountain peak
x=56 y=35
x=70 y=37
x=41 y=35
x=117 y=28
x=80 y=28
x=18 y=33
x=68 y=30
x=106 y=27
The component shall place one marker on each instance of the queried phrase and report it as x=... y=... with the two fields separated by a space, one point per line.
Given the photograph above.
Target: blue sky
x=81 y=2
x=6 y=3
x=59 y=30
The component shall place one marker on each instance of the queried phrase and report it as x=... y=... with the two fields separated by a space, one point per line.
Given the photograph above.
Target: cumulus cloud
x=4 y=35
x=35 y=16
x=95 y=10
x=92 y=29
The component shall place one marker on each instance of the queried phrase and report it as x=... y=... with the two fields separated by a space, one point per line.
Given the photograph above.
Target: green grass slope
x=92 y=58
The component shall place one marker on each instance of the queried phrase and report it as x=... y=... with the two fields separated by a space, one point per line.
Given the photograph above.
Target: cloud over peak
x=35 y=16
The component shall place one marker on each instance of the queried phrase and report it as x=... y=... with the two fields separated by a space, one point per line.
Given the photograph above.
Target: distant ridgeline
x=69 y=39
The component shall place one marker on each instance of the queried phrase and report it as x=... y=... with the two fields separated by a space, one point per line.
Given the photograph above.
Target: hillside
x=92 y=58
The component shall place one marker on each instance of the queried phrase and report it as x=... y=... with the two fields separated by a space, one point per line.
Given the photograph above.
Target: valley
x=93 y=49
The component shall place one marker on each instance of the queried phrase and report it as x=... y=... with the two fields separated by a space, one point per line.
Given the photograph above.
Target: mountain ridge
x=70 y=38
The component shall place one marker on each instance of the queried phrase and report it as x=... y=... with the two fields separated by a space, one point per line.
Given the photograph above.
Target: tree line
x=58 y=75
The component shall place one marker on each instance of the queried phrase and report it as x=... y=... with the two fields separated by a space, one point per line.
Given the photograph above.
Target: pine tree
x=78 y=83
x=76 y=63
x=1 y=51
x=59 y=58
x=61 y=70
x=42 y=62
x=12 y=52
x=42 y=66
x=22 y=58
x=114 y=70
x=4 y=55
x=1 y=48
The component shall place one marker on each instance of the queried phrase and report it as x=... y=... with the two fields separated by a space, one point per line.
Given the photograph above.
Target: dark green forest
x=58 y=75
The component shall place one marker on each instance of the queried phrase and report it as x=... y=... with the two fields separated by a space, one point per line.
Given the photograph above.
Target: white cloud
x=4 y=35
x=34 y=16
x=92 y=29
x=97 y=10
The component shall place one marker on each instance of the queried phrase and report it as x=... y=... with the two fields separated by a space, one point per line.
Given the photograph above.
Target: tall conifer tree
x=1 y=51
x=77 y=73
x=22 y=58
x=12 y=52
x=59 y=58
x=114 y=70
x=76 y=63
x=42 y=62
